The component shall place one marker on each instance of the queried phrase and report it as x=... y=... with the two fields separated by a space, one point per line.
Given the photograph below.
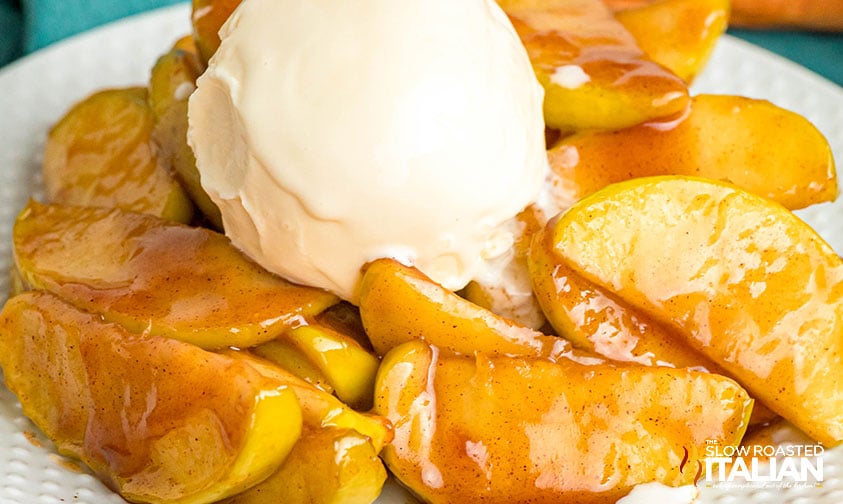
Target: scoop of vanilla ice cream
x=334 y=133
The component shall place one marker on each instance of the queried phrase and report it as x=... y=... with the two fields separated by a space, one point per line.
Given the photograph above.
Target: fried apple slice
x=505 y=429
x=678 y=34
x=16 y=283
x=593 y=72
x=101 y=154
x=327 y=466
x=171 y=83
x=207 y=18
x=739 y=277
x=752 y=143
x=595 y=320
x=155 y=276
x=347 y=367
x=284 y=354
x=399 y=304
x=321 y=409
x=149 y=415
x=331 y=351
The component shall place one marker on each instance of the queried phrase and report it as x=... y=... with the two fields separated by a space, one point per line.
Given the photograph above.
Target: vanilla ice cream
x=332 y=133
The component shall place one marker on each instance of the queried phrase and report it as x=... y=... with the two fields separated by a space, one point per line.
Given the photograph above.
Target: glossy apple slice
x=101 y=154
x=678 y=34
x=16 y=283
x=156 y=276
x=284 y=354
x=172 y=81
x=331 y=351
x=754 y=144
x=327 y=466
x=149 y=415
x=332 y=357
x=471 y=428
x=207 y=18
x=321 y=409
x=595 y=320
x=739 y=277
x=399 y=304
x=349 y=368
x=593 y=72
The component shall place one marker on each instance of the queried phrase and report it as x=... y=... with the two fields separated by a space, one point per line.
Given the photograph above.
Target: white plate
x=35 y=91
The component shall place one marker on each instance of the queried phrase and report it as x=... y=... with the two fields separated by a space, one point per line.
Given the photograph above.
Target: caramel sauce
x=32 y=437
x=65 y=463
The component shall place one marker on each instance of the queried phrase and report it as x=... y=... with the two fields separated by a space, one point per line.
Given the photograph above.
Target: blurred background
x=806 y=30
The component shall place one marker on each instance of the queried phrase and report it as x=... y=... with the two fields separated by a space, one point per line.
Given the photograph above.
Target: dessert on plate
x=496 y=251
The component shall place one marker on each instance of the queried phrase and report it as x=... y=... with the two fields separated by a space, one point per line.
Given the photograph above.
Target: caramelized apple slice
x=739 y=277
x=344 y=317
x=593 y=72
x=155 y=276
x=16 y=283
x=400 y=304
x=349 y=368
x=172 y=81
x=752 y=143
x=678 y=34
x=321 y=409
x=283 y=353
x=327 y=466
x=332 y=358
x=595 y=320
x=207 y=18
x=101 y=154
x=471 y=428
x=149 y=415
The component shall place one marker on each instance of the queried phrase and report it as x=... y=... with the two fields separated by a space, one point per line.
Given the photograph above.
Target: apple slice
x=348 y=367
x=505 y=429
x=172 y=81
x=319 y=408
x=399 y=304
x=16 y=283
x=161 y=277
x=207 y=18
x=327 y=466
x=101 y=154
x=334 y=358
x=678 y=34
x=739 y=277
x=593 y=72
x=751 y=143
x=284 y=354
x=149 y=415
x=595 y=320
